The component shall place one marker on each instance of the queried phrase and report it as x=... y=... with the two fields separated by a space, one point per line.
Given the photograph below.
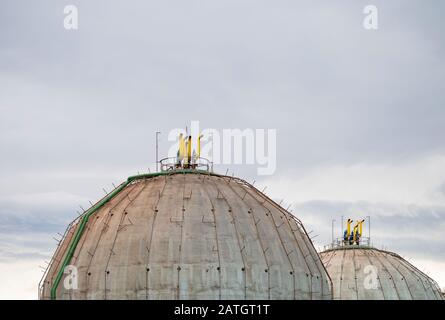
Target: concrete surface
x=192 y=236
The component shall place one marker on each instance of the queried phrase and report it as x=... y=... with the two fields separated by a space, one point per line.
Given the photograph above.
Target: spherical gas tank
x=186 y=234
x=366 y=273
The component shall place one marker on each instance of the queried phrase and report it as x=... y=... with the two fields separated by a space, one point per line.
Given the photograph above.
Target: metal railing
x=53 y=260
x=173 y=163
x=341 y=243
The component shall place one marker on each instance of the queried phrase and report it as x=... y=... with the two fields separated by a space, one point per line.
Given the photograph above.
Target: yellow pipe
x=189 y=149
x=199 y=146
x=361 y=227
x=355 y=231
x=186 y=143
x=348 y=229
x=181 y=147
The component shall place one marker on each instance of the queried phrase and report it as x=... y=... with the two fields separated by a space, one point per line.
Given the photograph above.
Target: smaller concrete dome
x=366 y=273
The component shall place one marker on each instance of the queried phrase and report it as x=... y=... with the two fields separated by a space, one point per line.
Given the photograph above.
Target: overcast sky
x=359 y=114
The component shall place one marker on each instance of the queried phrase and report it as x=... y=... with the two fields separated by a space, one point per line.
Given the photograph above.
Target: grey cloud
x=309 y=70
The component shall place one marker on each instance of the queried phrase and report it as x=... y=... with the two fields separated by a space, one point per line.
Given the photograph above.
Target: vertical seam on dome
x=147 y=288
x=413 y=271
x=259 y=238
x=317 y=260
x=178 y=289
x=216 y=237
x=341 y=272
x=430 y=280
x=122 y=218
x=331 y=255
x=272 y=220
x=310 y=253
x=403 y=278
x=355 y=273
x=304 y=256
x=101 y=233
x=243 y=258
x=141 y=258
x=327 y=264
x=380 y=282
x=84 y=239
x=384 y=268
x=293 y=233
x=305 y=241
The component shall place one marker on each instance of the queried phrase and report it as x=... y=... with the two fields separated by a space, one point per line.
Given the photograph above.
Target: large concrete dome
x=187 y=235
x=366 y=273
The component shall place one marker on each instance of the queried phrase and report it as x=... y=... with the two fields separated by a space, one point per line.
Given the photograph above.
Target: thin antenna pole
x=341 y=227
x=369 y=229
x=157 y=150
x=333 y=220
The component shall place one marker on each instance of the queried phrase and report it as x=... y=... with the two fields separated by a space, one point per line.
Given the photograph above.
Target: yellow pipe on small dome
x=361 y=227
x=355 y=232
x=348 y=229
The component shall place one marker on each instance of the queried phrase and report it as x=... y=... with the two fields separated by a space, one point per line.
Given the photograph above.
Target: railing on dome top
x=351 y=238
x=341 y=243
x=174 y=163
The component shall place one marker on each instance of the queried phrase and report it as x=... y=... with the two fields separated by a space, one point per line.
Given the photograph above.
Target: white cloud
x=19 y=279
x=22 y=257
x=416 y=182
